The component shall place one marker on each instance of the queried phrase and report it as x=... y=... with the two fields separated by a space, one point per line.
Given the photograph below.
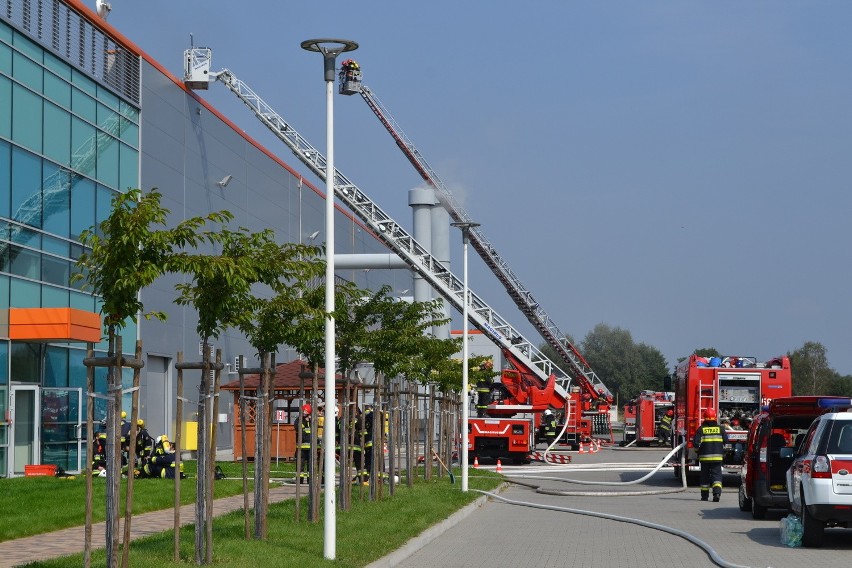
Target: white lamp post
x=465 y=229
x=330 y=49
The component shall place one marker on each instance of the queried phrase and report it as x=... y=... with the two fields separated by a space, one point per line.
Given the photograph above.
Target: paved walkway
x=70 y=541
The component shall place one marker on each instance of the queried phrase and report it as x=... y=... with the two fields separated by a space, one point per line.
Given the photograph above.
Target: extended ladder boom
x=517 y=291
x=389 y=231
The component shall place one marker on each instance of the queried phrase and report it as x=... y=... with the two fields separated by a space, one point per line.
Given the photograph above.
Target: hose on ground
x=718 y=560
x=545 y=491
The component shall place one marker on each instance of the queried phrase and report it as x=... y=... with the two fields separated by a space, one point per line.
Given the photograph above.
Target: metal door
x=61 y=428
x=24 y=411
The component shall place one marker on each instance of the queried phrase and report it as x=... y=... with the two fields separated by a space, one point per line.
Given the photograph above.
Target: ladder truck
x=350 y=77
x=539 y=371
x=737 y=388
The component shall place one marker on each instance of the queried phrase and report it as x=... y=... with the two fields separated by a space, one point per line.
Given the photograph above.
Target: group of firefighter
x=155 y=457
x=361 y=425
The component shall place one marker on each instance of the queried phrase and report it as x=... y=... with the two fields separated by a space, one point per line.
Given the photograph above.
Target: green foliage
x=810 y=370
x=128 y=252
x=271 y=322
x=624 y=366
x=221 y=286
x=447 y=374
x=707 y=352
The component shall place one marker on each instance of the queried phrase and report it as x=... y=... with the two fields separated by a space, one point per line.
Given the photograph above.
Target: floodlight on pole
x=330 y=49
x=465 y=229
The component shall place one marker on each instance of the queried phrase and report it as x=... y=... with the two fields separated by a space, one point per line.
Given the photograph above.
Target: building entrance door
x=24 y=411
x=61 y=428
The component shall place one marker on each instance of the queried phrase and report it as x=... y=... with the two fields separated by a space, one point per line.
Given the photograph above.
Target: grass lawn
x=35 y=505
x=370 y=530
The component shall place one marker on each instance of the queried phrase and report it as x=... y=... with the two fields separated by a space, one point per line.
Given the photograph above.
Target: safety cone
x=595 y=447
x=475 y=462
x=582 y=448
x=499 y=466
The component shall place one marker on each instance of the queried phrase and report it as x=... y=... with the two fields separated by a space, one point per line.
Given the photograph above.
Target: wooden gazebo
x=287 y=395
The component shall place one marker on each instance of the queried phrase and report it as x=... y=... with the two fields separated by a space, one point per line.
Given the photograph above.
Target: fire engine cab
x=736 y=388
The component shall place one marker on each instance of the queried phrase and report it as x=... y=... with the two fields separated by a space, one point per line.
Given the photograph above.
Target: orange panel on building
x=54 y=324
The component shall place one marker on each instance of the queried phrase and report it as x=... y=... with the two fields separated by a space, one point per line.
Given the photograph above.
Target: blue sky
x=678 y=169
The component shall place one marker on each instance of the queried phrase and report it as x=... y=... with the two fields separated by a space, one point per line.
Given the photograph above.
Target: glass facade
x=68 y=144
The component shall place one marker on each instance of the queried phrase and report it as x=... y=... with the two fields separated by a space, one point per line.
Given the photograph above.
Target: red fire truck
x=514 y=414
x=737 y=388
x=642 y=416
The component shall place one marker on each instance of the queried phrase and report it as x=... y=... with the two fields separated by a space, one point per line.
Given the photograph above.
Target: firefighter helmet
x=123 y=414
x=306 y=409
x=710 y=414
x=548 y=412
x=140 y=423
x=670 y=412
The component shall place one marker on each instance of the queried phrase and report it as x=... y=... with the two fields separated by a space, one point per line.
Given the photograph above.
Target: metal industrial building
x=85 y=113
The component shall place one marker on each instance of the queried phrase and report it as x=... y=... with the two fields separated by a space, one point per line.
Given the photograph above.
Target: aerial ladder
x=350 y=84
x=197 y=75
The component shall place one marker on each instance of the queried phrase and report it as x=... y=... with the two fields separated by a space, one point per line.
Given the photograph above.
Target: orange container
x=36 y=470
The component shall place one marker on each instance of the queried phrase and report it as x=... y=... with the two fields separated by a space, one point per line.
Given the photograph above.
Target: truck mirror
x=667 y=383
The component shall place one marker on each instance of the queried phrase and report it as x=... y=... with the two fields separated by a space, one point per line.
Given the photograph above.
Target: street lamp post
x=330 y=49
x=465 y=229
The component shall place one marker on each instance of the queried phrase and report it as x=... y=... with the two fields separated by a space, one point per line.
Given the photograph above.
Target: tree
x=810 y=370
x=623 y=365
x=268 y=323
x=127 y=253
x=220 y=288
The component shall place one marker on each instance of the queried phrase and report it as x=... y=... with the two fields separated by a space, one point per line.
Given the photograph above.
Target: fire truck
x=736 y=388
x=642 y=416
x=518 y=401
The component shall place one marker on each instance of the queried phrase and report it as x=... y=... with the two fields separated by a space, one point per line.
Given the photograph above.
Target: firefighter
x=664 y=434
x=162 y=462
x=305 y=444
x=368 y=446
x=99 y=454
x=144 y=442
x=709 y=440
x=483 y=396
x=547 y=430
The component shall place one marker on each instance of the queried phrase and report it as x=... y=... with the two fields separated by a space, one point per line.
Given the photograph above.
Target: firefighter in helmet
x=547 y=430
x=483 y=396
x=304 y=448
x=709 y=440
x=664 y=430
x=162 y=462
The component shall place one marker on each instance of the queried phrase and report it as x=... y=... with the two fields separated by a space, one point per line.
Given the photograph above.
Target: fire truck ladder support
x=522 y=297
x=485 y=319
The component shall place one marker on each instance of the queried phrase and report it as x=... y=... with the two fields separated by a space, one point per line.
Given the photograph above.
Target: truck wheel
x=745 y=502
x=757 y=511
x=813 y=531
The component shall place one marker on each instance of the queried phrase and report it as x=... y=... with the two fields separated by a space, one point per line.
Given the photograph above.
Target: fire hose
x=714 y=556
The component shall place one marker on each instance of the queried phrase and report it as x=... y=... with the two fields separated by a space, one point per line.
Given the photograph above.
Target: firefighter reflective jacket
x=666 y=423
x=305 y=442
x=709 y=441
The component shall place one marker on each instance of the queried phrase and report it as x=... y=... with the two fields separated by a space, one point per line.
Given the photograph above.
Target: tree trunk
x=246 y=512
x=131 y=459
x=203 y=445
